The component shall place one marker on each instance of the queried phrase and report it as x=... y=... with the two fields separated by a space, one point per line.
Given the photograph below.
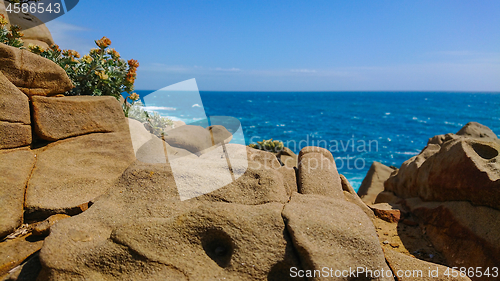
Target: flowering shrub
x=268 y=145
x=152 y=120
x=11 y=36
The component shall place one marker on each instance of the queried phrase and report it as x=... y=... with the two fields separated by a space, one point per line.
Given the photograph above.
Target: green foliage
x=268 y=145
x=102 y=72
x=152 y=120
x=11 y=36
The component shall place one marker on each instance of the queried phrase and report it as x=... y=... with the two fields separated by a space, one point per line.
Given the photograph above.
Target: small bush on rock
x=268 y=145
x=11 y=36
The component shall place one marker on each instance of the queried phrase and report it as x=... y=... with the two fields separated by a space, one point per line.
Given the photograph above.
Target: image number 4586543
x=44 y=10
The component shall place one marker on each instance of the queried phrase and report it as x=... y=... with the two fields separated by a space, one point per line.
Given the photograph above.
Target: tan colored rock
x=140 y=230
x=64 y=117
x=287 y=157
x=351 y=196
x=43 y=228
x=403 y=182
x=465 y=169
x=15 y=251
x=408 y=268
x=13 y=135
x=16 y=166
x=35 y=32
x=33 y=74
x=14 y=105
x=74 y=171
x=476 y=130
x=289 y=179
x=219 y=134
x=467 y=235
x=333 y=233
x=262 y=159
x=195 y=139
x=317 y=173
x=387 y=197
x=387 y=212
x=373 y=183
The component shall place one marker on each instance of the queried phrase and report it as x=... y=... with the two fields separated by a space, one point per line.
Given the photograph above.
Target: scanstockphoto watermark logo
x=348 y=152
x=43 y=10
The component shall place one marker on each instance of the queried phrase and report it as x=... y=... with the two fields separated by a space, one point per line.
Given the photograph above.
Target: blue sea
x=357 y=127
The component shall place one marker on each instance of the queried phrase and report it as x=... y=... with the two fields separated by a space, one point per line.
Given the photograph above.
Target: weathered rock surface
x=16 y=166
x=64 y=117
x=219 y=134
x=35 y=31
x=43 y=228
x=192 y=138
x=74 y=171
x=387 y=212
x=14 y=252
x=318 y=173
x=408 y=268
x=373 y=183
x=33 y=74
x=14 y=135
x=467 y=235
x=351 y=196
x=343 y=239
x=476 y=130
x=14 y=105
x=121 y=234
x=287 y=157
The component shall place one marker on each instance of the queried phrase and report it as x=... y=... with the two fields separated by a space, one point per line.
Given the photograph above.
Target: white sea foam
x=153 y=108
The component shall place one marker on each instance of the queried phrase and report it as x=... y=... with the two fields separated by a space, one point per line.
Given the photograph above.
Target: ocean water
x=357 y=127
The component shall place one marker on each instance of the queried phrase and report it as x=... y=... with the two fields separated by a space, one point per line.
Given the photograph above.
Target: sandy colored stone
x=407 y=268
x=465 y=169
x=317 y=173
x=140 y=230
x=15 y=251
x=192 y=138
x=387 y=212
x=64 y=117
x=219 y=134
x=13 y=135
x=351 y=196
x=74 y=171
x=14 y=105
x=373 y=183
x=467 y=235
x=34 y=30
x=43 y=228
x=289 y=179
x=287 y=157
x=332 y=233
x=16 y=166
x=33 y=74
x=387 y=197
x=476 y=130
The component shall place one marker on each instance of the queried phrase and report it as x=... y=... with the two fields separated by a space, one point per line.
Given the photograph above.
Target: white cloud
x=303 y=70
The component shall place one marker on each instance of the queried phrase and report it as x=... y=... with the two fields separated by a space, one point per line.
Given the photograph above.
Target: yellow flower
x=87 y=59
x=134 y=96
x=103 y=43
x=102 y=75
x=3 y=21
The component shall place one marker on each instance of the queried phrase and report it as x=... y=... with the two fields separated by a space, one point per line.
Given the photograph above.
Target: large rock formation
x=373 y=183
x=33 y=74
x=35 y=31
x=453 y=189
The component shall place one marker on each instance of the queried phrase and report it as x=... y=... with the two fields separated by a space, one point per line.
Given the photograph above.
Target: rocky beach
x=89 y=194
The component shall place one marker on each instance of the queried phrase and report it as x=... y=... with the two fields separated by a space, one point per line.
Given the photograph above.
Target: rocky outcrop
x=467 y=235
x=407 y=268
x=317 y=173
x=16 y=166
x=63 y=117
x=35 y=31
x=190 y=137
x=373 y=183
x=452 y=188
x=15 y=251
x=33 y=74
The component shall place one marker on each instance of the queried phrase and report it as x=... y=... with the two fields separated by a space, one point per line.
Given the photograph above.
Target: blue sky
x=297 y=45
